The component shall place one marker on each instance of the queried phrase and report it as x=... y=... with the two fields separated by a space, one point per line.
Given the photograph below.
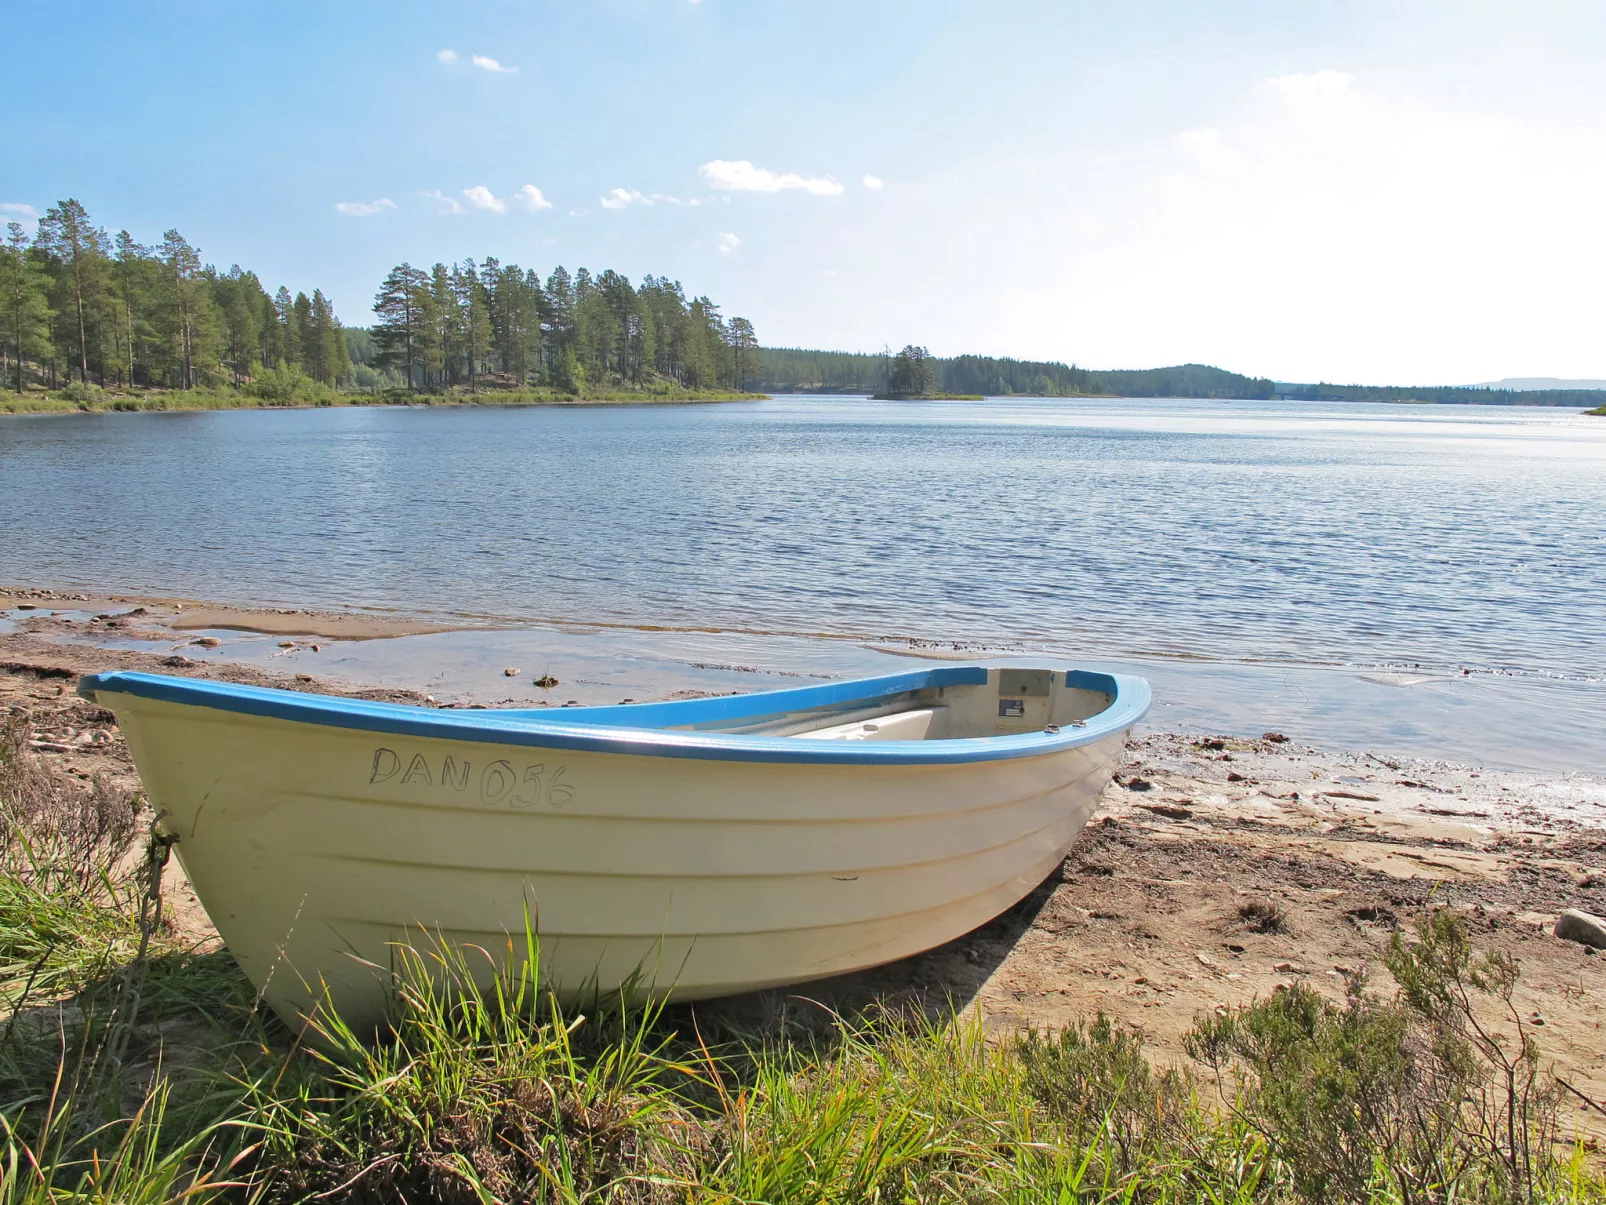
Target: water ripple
x=1342 y=534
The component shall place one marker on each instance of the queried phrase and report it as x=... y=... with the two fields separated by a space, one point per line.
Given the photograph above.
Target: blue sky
x=1401 y=192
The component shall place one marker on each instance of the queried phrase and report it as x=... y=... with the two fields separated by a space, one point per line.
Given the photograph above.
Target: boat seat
x=899 y=726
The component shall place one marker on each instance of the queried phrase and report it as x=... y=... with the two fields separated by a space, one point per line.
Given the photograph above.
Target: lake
x=1374 y=538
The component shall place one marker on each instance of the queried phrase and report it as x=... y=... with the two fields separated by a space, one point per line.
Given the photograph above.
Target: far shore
x=171 y=401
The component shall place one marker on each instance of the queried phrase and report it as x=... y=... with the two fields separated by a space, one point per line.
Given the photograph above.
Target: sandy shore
x=1143 y=920
x=157 y=618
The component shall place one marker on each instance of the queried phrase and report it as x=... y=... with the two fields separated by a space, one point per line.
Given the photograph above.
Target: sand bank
x=153 y=614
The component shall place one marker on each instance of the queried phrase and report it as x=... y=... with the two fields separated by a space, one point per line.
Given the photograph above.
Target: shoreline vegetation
x=138 y=1067
x=157 y=400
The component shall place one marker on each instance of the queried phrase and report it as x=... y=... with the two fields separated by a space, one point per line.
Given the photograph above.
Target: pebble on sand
x=510 y=672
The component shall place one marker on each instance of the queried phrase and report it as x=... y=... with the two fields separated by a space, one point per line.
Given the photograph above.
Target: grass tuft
x=482 y=1089
x=66 y=911
x=1263 y=916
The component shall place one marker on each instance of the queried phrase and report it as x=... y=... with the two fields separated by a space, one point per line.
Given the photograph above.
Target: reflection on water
x=1354 y=534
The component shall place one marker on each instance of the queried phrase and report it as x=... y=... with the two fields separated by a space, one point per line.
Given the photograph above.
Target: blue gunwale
x=639 y=729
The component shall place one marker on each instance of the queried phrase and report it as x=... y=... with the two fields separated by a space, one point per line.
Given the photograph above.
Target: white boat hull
x=315 y=848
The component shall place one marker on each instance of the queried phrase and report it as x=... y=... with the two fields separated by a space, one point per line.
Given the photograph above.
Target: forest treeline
x=461 y=324
x=80 y=305
x=1470 y=395
x=81 y=310
x=789 y=370
x=794 y=370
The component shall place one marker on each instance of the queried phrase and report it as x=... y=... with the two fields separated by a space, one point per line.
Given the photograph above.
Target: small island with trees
x=911 y=375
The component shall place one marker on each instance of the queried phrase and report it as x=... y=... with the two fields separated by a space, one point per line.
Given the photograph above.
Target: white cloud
x=364 y=209
x=530 y=198
x=20 y=210
x=481 y=197
x=621 y=198
x=739 y=175
x=728 y=243
x=483 y=61
x=874 y=182
x=578 y=213
x=447 y=204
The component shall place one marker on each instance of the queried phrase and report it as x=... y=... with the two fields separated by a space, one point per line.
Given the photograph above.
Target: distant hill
x=1527 y=384
x=1463 y=395
x=796 y=370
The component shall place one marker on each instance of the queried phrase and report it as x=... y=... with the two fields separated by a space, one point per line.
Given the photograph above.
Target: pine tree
x=400 y=332
x=190 y=311
x=473 y=320
x=239 y=298
x=131 y=285
x=443 y=321
x=301 y=336
x=327 y=357
x=339 y=352
x=315 y=335
x=270 y=329
x=559 y=320
x=285 y=307
x=71 y=240
x=743 y=344
x=516 y=303
x=24 y=312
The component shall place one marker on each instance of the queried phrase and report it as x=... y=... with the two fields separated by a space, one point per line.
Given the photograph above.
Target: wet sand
x=188 y=615
x=461 y=659
x=1143 y=920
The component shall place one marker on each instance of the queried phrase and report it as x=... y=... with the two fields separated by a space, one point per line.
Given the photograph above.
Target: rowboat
x=700 y=847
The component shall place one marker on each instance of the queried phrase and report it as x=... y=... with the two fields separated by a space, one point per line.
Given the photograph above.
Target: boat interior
x=953 y=702
x=1009 y=701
